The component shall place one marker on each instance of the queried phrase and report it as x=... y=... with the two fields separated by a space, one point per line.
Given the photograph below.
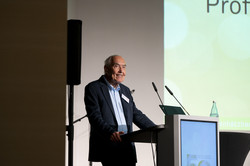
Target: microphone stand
x=78 y=120
x=158 y=96
x=171 y=93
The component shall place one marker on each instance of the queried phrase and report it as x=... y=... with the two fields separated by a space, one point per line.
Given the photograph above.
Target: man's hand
x=115 y=137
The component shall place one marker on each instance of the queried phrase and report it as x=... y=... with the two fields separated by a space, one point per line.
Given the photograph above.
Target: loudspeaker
x=74 y=49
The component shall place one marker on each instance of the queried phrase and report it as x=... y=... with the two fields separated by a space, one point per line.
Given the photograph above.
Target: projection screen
x=207 y=58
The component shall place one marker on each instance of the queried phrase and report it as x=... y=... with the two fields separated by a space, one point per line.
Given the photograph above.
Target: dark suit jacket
x=103 y=122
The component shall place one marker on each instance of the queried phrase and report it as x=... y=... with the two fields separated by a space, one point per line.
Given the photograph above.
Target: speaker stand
x=70 y=126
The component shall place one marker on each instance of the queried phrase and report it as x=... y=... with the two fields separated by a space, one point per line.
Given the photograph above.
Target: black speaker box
x=74 y=49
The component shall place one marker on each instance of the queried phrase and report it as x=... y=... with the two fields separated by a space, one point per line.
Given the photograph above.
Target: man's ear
x=106 y=70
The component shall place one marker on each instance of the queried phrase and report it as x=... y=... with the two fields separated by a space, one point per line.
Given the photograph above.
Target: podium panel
x=183 y=140
x=188 y=140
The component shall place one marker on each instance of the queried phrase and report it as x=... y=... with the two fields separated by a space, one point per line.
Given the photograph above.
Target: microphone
x=132 y=91
x=154 y=87
x=171 y=93
x=157 y=92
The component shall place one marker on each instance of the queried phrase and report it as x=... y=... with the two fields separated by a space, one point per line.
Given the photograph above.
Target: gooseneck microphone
x=171 y=93
x=157 y=92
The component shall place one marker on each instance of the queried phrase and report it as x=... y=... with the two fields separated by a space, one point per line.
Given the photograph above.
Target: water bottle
x=214 y=110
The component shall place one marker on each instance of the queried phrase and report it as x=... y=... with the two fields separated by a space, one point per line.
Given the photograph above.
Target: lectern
x=183 y=140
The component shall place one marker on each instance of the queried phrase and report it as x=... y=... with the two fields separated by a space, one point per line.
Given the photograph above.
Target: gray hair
x=108 y=61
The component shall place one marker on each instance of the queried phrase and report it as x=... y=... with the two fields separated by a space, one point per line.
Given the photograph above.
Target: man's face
x=117 y=71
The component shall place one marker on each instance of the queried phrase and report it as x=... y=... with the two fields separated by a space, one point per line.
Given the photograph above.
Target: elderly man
x=111 y=112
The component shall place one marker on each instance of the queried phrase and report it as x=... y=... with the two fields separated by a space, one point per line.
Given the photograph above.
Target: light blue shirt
x=117 y=105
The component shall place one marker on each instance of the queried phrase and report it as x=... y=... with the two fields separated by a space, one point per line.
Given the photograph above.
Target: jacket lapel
x=106 y=95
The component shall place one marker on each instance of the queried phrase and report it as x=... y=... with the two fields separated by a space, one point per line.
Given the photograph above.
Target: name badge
x=125 y=98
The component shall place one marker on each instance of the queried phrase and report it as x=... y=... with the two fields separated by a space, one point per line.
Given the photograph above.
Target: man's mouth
x=119 y=75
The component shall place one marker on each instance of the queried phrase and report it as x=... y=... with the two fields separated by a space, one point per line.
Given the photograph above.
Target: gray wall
x=134 y=30
x=32 y=82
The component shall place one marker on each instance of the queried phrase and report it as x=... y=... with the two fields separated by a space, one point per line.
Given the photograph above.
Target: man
x=111 y=112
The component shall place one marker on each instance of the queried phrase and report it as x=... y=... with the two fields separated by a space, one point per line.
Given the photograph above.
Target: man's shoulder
x=96 y=83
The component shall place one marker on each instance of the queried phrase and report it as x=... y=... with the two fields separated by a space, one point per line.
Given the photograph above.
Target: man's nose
x=120 y=68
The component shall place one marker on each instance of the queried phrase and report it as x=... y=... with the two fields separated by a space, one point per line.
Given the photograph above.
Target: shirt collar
x=111 y=87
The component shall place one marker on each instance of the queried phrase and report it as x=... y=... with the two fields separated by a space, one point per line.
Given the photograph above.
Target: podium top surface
x=148 y=135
